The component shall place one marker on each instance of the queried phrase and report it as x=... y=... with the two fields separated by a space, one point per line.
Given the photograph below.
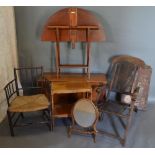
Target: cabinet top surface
x=76 y=77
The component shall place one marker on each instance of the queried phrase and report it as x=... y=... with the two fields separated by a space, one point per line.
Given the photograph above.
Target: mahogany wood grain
x=64 y=102
x=70 y=87
x=95 y=78
x=73 y=25
x=65 y=20
x=61 y=109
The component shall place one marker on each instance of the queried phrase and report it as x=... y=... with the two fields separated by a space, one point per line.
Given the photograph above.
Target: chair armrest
x=134 y=94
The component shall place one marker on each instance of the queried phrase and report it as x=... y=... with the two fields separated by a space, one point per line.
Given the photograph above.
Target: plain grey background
x=129 y=30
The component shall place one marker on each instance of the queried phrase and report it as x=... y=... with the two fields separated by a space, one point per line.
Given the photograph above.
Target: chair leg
x=52 y=123
x=122 y=141
x=71 y=127
x=94 y=137
x=101 y=115
x=10 y=123
x=128 y=125
x=22 y=115
x=50 y=120
x=48 y=117
x=50 y=127
x=69 y=131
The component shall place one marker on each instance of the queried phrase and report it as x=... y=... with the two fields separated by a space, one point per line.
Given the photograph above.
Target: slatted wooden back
x=10 y=90
x=123 y=77
x=123 y=74
x=28 y=78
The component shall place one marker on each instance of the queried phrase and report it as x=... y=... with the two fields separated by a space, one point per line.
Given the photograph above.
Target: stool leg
x=94 y=132
x=94 y=137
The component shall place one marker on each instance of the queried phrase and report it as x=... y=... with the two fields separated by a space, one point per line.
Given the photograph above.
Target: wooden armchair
x=122 y=82
x=34 y=99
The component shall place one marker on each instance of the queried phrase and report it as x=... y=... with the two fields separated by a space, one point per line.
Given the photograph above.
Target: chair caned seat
x=36 y=97
x=29 y=103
